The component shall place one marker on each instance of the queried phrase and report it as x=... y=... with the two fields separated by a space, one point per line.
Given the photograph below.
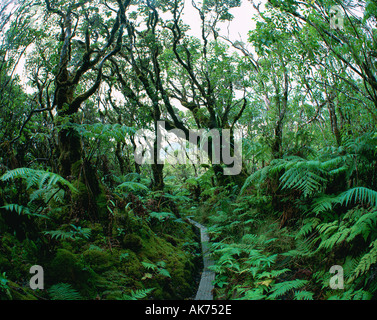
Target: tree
x=86 y=41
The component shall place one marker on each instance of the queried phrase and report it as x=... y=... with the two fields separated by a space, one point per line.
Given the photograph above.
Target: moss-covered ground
x=124 y=253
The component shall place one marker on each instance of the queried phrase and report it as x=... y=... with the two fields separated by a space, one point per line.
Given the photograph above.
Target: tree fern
x=307 y=176
x=324 y=203
x=37 y=178
x=355 y=195
x=359 y=194
x=22 y=210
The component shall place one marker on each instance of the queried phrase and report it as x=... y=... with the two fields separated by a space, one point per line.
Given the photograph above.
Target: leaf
x=147 y=276
x=149 y=265
x=132 y=186
x=138 y=294
x=303 y=295
x=37 y=178
x=164 y=272
x=63 y=291
x=283 y=288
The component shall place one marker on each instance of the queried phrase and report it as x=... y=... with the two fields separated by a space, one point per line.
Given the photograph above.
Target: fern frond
x=22 y=210
x=303 y=295
x=59 y=234
x=361 y=194
x=364 y=225
x=37 y=178
x=164 y=272
x=324 y=203
x=306 y=176
x=63 y=291
x=308 y=226
x=366 y=262
x=149 y=265
x=138 y=294
x=16 y=208
x=132 y=186
x=283 y=288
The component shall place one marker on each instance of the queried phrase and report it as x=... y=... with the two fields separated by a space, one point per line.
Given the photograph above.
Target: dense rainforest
x=118 y=123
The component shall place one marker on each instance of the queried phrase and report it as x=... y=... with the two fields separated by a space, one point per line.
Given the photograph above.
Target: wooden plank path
x=206 y=281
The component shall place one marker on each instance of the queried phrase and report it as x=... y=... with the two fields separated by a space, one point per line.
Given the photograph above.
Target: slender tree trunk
x=157 y=167
x=69 y=141
x=334 y=123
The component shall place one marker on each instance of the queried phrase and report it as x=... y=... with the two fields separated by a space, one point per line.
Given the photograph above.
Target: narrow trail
x=206 y=281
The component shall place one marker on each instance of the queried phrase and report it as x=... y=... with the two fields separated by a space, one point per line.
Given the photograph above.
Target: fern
x=308 y=226
x=323 y=203
x=303 y=295
x=16 y=208
x=366 y=262
x=364 y=225
x=253 y=294
x=149 y=265
x=306 y=176
x=59 y=234
x=164 y=272
x=63 y=291
x=76 y=233
x=351 y=294
x=22 y=210
x=138 y=294
x=132 y=186
x=37 y=178
x=162 y=216
x=361 y=194
x=283 y=288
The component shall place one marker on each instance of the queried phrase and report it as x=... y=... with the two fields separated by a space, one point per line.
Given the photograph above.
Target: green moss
x=99 y=260
x=76 y=167
x=132 y=242
x=132 y=266
x=65 y=267
x=19 y=293
x=5 y=264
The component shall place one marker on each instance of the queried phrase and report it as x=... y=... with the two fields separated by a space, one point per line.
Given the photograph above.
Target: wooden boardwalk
x=206 y=281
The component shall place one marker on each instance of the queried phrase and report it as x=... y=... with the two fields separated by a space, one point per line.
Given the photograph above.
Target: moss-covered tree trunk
x=69 y=141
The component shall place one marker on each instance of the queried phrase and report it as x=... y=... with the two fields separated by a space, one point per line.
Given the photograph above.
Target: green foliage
x=139 y=294
x=158 y=268
x=63 y=291
x=4 y=288
x=104 y=132
x=75 y=233
x=366 y=261
x=37 y=179
x=42 y=186
x=283 y=288
x=132 y=186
